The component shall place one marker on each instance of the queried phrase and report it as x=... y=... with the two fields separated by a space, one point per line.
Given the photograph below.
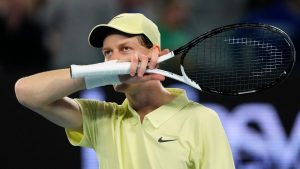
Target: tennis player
x=154 y=128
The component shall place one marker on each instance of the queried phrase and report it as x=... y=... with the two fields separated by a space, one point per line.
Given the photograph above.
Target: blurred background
x=39 y=35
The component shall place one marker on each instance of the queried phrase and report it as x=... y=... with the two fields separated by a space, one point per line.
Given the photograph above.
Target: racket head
x=238 y=59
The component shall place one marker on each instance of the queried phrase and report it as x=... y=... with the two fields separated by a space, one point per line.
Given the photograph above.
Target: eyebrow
x=122 y=42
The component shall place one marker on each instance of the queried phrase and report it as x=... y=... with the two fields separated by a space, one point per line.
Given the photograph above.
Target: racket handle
x=107 y=68
x=165 y=57
x=100 y=69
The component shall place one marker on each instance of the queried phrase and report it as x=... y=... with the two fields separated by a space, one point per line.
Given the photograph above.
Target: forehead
x=118 y=39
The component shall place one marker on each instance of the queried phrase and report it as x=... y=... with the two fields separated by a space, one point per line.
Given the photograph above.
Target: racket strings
x=238 y=60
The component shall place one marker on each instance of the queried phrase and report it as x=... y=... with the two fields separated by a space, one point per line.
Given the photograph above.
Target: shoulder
x=197 y=110
x=92 y=103
x=93 y=107
x=200 y=116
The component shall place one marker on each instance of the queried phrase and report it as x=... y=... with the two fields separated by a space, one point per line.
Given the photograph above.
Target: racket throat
x=187 y=80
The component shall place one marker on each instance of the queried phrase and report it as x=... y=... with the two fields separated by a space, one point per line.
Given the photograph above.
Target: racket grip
x=100 y=69
x=165 y=57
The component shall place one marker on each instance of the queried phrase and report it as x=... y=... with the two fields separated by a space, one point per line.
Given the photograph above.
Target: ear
x=156 y=49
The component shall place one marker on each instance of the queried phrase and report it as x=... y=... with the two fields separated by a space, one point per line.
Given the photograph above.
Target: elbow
x=22 y=92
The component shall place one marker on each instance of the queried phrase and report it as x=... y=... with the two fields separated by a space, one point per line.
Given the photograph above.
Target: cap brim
x=98 y=34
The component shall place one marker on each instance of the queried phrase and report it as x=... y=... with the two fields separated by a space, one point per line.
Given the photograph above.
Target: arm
x=46 y=93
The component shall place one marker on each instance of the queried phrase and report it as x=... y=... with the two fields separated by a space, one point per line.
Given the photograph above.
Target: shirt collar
x=164 y=112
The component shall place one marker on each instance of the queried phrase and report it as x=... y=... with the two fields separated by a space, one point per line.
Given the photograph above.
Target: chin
x=124 y=87
x=121 y=87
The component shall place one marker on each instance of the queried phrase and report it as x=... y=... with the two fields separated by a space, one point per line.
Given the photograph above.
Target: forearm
x=45 y=93
x=47 y=87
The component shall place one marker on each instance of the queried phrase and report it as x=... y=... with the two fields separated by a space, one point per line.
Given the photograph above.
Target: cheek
x=108 y=59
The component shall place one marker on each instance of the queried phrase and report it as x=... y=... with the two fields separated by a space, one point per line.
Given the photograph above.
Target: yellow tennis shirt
x=179 y=135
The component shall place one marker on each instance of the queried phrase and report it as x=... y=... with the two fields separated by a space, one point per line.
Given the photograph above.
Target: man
x=154 y=128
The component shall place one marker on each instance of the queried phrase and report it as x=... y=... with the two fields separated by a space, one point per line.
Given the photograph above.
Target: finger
x=154 y=77
x=163 y=52
x=134 y=64
x=129 y=79
x=153 y=60
x=148 y=77
x=143 y=65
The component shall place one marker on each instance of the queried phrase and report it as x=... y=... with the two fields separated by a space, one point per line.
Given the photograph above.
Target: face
x=119 y=47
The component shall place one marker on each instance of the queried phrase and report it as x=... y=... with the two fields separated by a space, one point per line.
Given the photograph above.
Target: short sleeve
x=94 y=112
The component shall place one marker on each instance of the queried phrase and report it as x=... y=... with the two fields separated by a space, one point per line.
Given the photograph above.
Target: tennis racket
x=234 y=59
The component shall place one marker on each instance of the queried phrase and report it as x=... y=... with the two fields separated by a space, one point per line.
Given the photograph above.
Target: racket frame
x=121 y=68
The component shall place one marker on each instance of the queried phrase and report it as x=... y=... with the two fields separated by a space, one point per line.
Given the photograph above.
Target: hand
x=139 y=64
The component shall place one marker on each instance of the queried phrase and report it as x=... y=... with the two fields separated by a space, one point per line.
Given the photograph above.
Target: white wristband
x=92 y=82
x=95 y=80
x=112 y=67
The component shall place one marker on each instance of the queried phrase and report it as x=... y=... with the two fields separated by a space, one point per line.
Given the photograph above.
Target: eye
x=126 y=49
x=107 y=53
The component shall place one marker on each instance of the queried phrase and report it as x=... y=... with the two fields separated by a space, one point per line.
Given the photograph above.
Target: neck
x=148 y=98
